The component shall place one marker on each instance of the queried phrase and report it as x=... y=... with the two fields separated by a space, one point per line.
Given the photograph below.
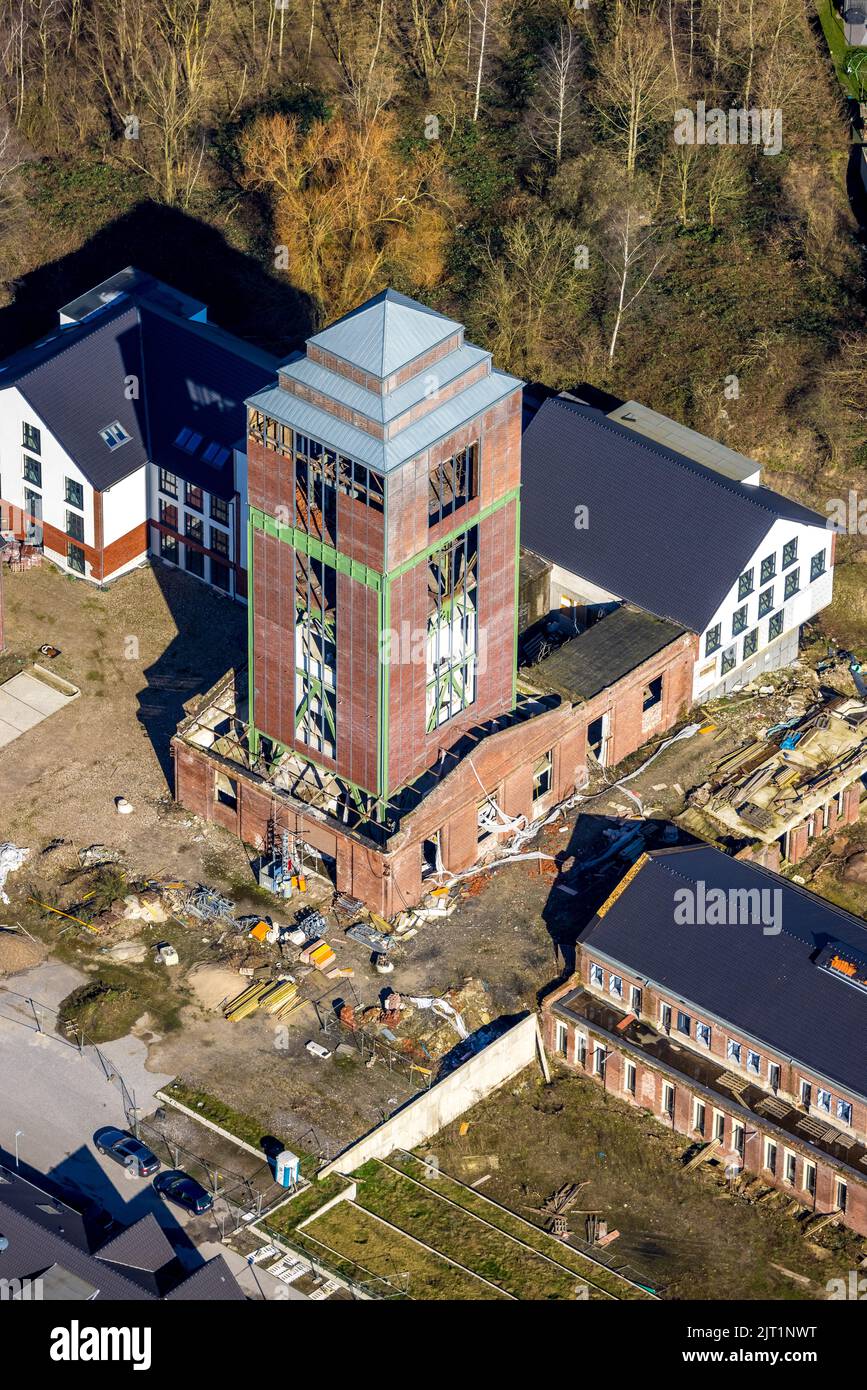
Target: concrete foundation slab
x=25 y=701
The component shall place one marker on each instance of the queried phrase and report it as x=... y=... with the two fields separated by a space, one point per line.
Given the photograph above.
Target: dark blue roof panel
x=772 y=985
x=663 y=532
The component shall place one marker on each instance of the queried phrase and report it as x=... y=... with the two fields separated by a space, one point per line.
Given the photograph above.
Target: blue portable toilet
x=287 y=1169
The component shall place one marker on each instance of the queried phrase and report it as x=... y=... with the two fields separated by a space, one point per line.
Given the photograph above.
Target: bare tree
x=357 y=34
x=554 y=110
x=634 y=261
x=634 y=84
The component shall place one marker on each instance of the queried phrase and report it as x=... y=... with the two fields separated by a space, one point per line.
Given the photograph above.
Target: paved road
x=59 y=1097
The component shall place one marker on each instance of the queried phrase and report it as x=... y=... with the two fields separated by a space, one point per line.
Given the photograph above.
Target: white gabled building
x=123 y=436
x=622 y=516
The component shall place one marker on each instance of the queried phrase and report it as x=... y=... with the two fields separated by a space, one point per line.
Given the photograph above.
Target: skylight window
x=215 y=454
x=114 y=435
x=188 y=440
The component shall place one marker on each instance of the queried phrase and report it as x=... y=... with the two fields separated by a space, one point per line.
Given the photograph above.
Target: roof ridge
x=652 y=446
x=59 y=1235
x=88 y=330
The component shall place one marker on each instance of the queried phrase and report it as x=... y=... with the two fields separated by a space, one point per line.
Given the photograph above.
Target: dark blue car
x=180 y=1188
x=128 y=1151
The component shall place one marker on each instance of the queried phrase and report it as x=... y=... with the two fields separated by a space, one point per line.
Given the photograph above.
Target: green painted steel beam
x=316 y=549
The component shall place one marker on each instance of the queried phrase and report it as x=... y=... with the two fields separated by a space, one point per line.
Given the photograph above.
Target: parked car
x=130 y=1152
x=184 y=1191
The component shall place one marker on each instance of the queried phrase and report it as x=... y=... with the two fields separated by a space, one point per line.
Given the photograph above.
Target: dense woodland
x=511 y=162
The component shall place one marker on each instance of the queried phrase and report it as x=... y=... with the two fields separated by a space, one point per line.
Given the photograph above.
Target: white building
x=123 y=435
x=689 y=535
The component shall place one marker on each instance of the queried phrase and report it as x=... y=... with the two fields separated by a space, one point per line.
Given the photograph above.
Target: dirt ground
x=137 y=650
x=690 y=1234
x=140 y=651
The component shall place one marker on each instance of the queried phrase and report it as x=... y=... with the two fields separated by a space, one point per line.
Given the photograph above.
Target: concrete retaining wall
x=459 y=1091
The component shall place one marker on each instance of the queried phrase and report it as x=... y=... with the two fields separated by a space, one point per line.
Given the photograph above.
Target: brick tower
x=384 y=471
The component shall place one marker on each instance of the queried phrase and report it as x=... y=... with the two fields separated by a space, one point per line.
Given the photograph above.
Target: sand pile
x=212 y=984
x=17 y=953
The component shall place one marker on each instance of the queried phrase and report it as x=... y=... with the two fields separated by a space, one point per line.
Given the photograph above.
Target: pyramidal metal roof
x=385 y=333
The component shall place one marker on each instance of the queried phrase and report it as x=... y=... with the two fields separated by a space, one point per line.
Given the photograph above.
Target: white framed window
x=684 y=1023
x=600 y=1057
x=790 y=1167
x=823 y=1100
x=561 y=1038
x=844 y=1112
x=738 y=1137
x=597 y=976
x=733 y=1051
x=770 y=1156
x=774 y=1075
x=699 y=1115
x=806 y=1093
x=635 y=999
x=114 y=435
x=703 y=1034
x=668 y=1099
x=754 y=1062
x=615 y=986
x=581 y=1049
x=719 y=1125
x=629 y=1078
x=841 y=1194
x=809 y=1182
x=665 y=1017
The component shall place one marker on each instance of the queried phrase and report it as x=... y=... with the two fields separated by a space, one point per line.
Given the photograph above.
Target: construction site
x=252 y=978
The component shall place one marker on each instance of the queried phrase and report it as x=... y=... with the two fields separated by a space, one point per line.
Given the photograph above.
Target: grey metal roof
x=39 y=1241
x=384 y=455
x=385 y=333
x=767 y=986
x=604 y=654
x=374 y=405
x=664 y=532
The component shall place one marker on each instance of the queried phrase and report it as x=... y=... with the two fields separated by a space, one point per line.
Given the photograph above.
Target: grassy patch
x=832 y=28
x=218 y=1112
x=689 y=1234
x=369 y=1248
x=101 y=1010
x=462 y=1235
x=525 y=1231
x=297 y=1210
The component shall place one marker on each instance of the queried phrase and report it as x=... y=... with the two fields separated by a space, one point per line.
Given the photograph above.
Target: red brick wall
x=649 y=1096
x=273 y=637
x=791 y=1074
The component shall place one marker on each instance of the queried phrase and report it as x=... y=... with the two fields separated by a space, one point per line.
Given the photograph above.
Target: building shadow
x=600 y=850
x=211 y=638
